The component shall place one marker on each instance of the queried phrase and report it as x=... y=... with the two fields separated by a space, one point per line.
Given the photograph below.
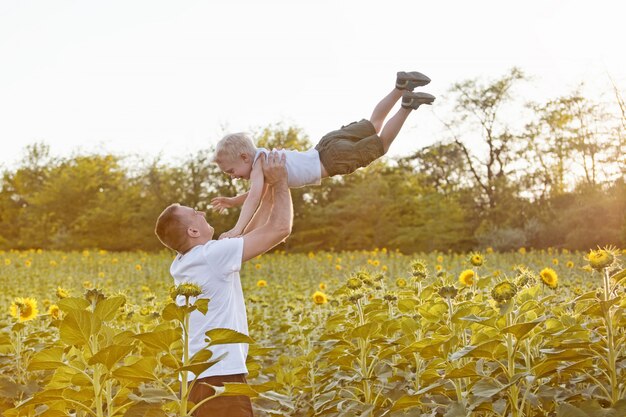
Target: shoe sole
x=410 y=80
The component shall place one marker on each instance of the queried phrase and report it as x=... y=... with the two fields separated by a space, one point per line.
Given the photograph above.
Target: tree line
x=506 y=174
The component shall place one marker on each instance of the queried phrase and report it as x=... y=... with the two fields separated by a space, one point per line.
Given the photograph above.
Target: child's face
x=239 y=168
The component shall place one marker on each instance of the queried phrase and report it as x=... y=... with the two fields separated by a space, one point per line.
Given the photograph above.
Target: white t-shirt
x=303 y=168
x=215 y=267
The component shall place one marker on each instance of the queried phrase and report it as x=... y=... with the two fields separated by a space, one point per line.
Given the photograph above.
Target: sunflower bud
x=601 y=258
x=188 y=290
x=354 y=283
x=448 y=292
x=504 y=291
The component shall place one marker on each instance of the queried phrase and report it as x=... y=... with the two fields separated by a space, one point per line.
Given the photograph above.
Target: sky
x=162 y=78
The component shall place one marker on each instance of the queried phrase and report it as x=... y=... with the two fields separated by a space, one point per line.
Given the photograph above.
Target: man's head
x=181 y=228
x=234 y=154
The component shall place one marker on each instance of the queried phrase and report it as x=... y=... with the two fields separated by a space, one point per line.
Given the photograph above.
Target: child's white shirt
x=303 y=168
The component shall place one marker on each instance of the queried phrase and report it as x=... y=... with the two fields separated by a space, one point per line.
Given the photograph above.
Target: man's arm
x=278 y=226
x=251 y=203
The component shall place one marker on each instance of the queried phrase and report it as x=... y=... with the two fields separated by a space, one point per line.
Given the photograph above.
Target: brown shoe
x=411 y=100
x=410 y=80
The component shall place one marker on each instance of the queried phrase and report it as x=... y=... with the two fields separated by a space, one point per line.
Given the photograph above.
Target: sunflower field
x=372 y=333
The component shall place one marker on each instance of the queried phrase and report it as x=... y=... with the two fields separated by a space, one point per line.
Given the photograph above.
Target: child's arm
x=251 y=202
x=222 y=203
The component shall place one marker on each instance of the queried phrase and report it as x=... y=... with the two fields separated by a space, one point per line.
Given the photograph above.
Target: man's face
x=238 y=168
x=195 y=219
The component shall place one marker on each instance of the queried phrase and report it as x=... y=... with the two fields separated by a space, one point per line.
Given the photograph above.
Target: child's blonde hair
x=233 y=145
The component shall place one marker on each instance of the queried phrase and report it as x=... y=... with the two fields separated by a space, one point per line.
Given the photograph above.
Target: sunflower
x=601 y=258
x=322 y=286
x=467 y=277
x=476 y=259
x=440 y=259
x=570 y=264
x=319 y=298
x=261 y=283
x=549 y=277
x=62 y=293
x=504 y=291
x=401 y=282
x=24 y=309
x=54 y=311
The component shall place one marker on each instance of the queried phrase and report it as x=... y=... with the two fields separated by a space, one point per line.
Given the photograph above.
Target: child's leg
x=393 y=126
x=410 y=101
x=405 y=81
x=383 y=108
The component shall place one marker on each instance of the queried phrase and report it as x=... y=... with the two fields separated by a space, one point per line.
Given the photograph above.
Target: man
x=214 y=266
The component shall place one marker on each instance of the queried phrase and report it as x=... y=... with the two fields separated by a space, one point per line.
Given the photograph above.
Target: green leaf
x=202 y=304
x=468 y=370
x=456 y=410
x=234 y=388
x=485 y=350
x=198 y=368
x=143 y=409
x=226 y=336
x=17 y=327
x=367 y=330
x=485 y=321
x=407 y=305
x=111 y=355
x=152 y=395
x=140 y=371
x=567 y=410
x=601 y=308
x=618 y=277
x=73 y=303
x=487 y=388
x=520 y=330
x=50 y=358
x=161 y=339
x=173 y=312
x=202 y=355
x=78 y=326
x=8 y=388
x=406 y=401
x=107 y=309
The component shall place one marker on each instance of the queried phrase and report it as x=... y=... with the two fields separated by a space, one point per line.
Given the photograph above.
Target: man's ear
x=193 y=232
x=245 y=157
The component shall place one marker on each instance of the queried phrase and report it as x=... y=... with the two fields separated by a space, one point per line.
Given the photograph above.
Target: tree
x=477 y=108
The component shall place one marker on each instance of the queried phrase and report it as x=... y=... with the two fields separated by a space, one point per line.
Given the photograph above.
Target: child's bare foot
x=409 y=80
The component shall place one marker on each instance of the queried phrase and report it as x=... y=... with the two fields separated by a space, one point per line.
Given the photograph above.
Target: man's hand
x=230 y=233
x=274 y=168
x=222 y=203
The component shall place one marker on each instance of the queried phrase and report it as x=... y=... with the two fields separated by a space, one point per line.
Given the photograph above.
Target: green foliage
x=554 y=179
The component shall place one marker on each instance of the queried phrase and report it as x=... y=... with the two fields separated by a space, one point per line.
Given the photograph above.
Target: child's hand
x=222 y=203
x=230 y=233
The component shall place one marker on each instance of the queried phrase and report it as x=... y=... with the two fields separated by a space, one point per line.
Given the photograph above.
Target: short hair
x=233 y=145
x=170 y=230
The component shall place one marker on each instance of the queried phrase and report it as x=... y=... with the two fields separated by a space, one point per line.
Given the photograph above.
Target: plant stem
x=610 y=341
x=183 y=385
